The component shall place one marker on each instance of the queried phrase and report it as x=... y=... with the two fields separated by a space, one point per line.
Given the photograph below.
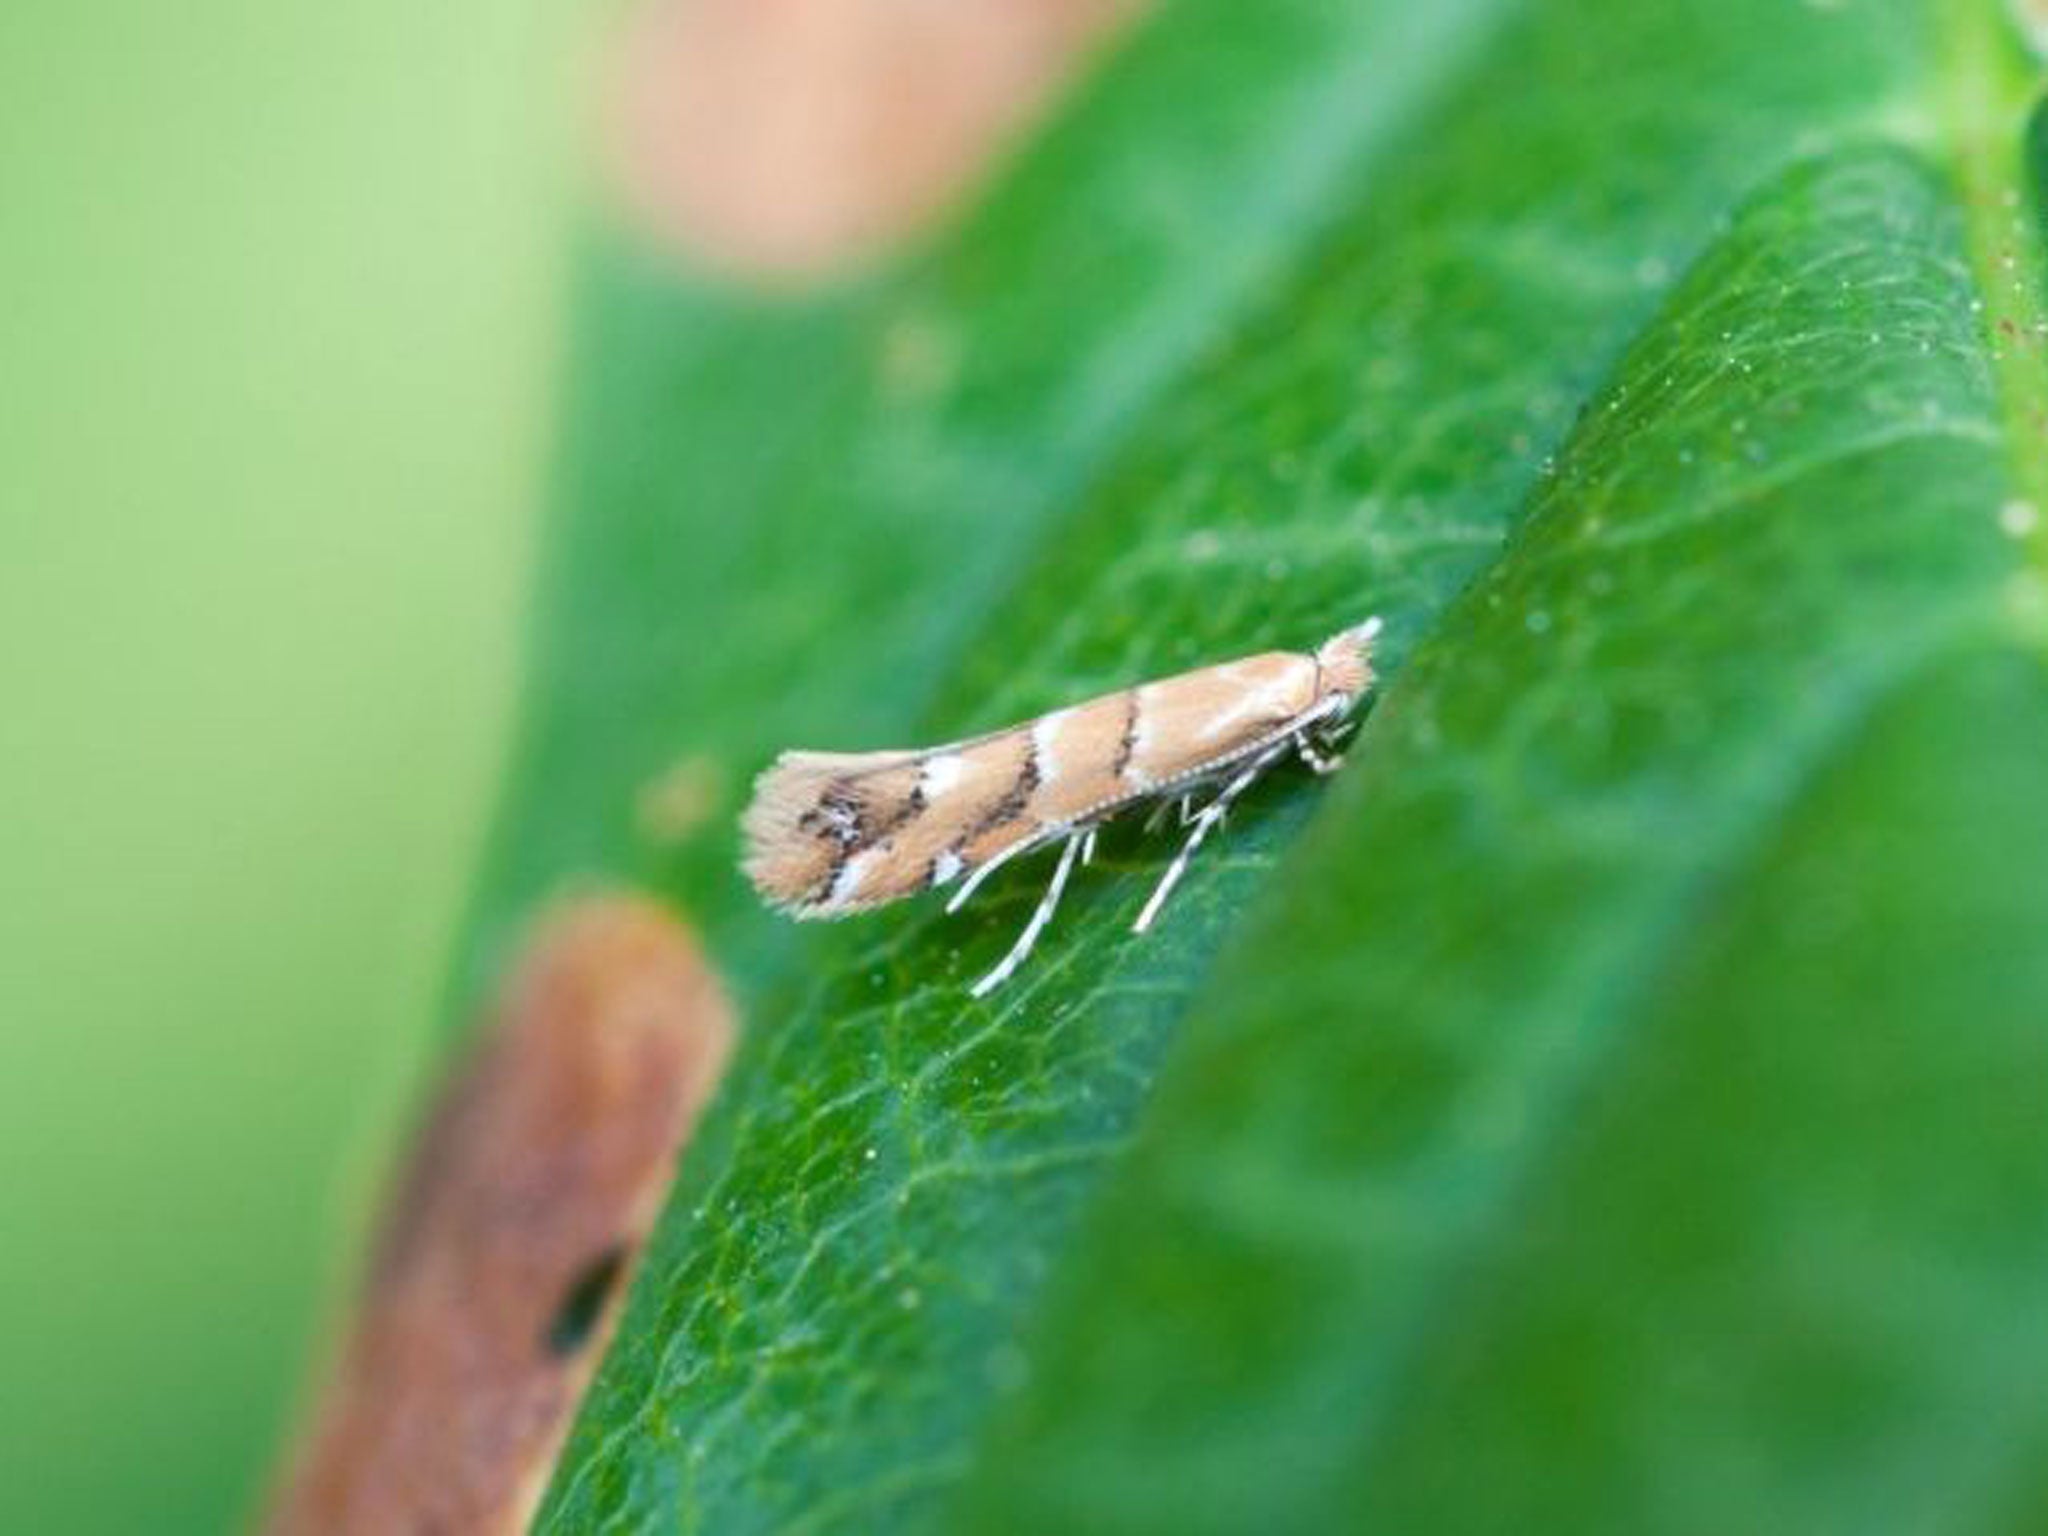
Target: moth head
x=1346 y=661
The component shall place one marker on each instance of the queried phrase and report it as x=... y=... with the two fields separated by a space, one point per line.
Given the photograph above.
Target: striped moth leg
x=1208 y=817
x=1311 y=752
x=1185 y=805
x=1074 y=843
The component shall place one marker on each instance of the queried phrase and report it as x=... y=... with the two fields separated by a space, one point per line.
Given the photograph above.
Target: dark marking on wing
x=1011 y=807
x=854 y=822
x=840 y=819
x=911 y=808
x=1127 y=743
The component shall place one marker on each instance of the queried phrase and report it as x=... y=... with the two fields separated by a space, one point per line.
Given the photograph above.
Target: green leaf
x=1614 y=1102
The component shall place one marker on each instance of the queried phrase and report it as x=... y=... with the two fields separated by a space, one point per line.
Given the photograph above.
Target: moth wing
x=841 y=765
x=791 y=851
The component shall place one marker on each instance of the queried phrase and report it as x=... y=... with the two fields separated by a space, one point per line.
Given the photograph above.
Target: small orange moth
x=830 y=833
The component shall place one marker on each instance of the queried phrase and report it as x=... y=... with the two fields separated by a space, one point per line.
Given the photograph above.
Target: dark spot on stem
x=584 y=1302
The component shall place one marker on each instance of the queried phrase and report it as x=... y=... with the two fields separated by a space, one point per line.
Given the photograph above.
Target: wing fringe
x=782 y=858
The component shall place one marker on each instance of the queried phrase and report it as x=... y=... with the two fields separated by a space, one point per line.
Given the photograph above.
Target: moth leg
x=1210 y=815
x=1039 y=919
x=1185 y=805
x=1311 y=754
x=973 y=881
x=1088 y=846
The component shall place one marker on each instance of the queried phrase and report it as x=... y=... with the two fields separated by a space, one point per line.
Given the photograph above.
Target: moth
x=832 y=833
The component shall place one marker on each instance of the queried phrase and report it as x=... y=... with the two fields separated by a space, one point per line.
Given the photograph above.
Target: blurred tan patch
x=508 y=1243
x=676 y=803
x=789 y=139
x=2031 y=18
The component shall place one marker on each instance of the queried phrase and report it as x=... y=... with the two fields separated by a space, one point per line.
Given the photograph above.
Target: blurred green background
x=281 y=292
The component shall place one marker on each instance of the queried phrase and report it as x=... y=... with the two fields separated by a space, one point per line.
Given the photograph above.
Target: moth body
x=832 y=833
